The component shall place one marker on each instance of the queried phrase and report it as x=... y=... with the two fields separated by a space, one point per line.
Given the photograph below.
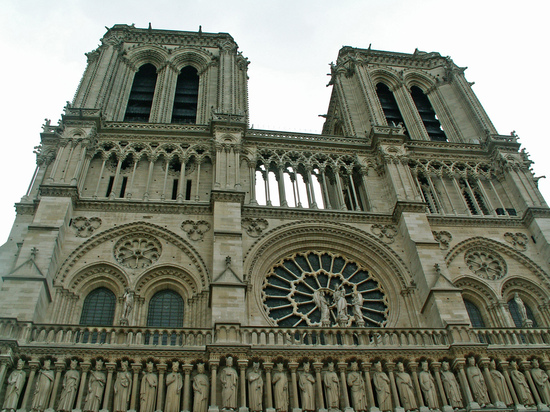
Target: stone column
x=370 y=396
x=161 y=367
x=268 y=367
x=342 y=367
x=59 y=367
x=213 y=385
x=459 y=364
x=540 y=404
x=252 y=179
x=317 y=366
x=4 y=362
x=111 y=366
x=33 y=365
x=84 y=367
x=187 y=368
x=446 y=407
x=136 y=368
x=511 y=388
x=243 y=363
x=149 y=177
x=390 y=366
x=281 y=186
x=413 y=366
x=484 y=363
x=293 y=366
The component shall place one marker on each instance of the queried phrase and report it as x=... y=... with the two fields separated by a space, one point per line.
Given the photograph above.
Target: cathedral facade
x=167 y=257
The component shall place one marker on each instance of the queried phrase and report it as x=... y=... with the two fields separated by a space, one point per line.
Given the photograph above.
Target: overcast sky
x=289 y=45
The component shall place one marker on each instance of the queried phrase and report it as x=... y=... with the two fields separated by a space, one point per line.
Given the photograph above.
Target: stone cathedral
x=166 y=257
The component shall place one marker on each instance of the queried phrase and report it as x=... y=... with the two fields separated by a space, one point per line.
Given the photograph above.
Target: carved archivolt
x=166 y=277
x=137 y=251
x=485 y=263
x=98 y=275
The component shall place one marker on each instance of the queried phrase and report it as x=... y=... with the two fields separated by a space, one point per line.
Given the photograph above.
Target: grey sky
x=289 y=44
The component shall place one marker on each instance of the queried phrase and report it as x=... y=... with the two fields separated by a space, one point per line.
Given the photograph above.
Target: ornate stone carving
x=138 y=250
x=84 y=226
x=427 y=384
x=254 y=227
x=16 y=381
x=486 y=264
x=518 y=240
x=405 y=386
x=280 y=389
x=443 y=238
x=332 y=388
x=357 y=388
x=195 y=230
x=201 y=386
x=43 y=389
x=70 y=388
x=386 y=233
x=229 y=380
x=501 y=388
x=477 y=383
x=307 y=388
x=525 y=396
x=148 y=390
x=381 y=383
x=541 y=380
x=255 y=388
x=450 y=385
x=174 y=384
x=96 y=385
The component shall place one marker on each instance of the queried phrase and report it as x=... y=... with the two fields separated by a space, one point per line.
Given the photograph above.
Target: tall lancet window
x=187 y=96
x=427 y=113
x=141 y=95
x=389 y=105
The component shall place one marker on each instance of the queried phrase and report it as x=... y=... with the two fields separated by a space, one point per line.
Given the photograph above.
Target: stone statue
x=321 y=303
x=405 y=388
x=280 y=389
x=427 y=384
x=357 y=387
x=123 y=387
x=341 y=305
x=96 y=385
x=382 y=386
x=43 y=389
x=229 y=380
x=540 y=378
x=255 y=388
x=70 y=388
x=521 y=308
x=200 y=390
x=307 y=388
x=332 y=388
x=450 y=384
x=357 y=302
x=174 y=384
x=148 y=390
x=16 y=381
x=500 y=385
x=477 y=383
x=128 y=306
x=522 y=387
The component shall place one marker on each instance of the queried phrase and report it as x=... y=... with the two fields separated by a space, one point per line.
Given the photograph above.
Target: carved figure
x=341 y=305
x=255 y=388
x=128 y=305
x=521 y=385
x=357 y=386
x=280 y=389
x=307 y=387
x=229 y=380
x=357 y=302
x=405 y=387
x=332 y=388
x=427 y=384
x=148 y=390
x=500 y=385
x=521 y=308
x=450 y=384
x=70 y=388
x=200 y=390
x=16 y=381
x=43 y=389
x=96 y=385
x=174 y=383
x=540 y=378
x=123 y=386
x=477 y=383
x=382 y=385
x=321 y=302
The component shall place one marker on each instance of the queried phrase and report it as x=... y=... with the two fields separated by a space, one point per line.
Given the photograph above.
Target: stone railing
x=302 y=137
x=27 y=333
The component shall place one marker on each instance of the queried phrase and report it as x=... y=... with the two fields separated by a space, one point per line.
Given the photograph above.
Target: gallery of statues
x=168 y=257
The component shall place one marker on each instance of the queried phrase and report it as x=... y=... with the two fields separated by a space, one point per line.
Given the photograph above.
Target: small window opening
x=110 y=186
x=186 y=98
x=141 y=95
x=175 y=189
x=188 y=190
x=123 y=187
x=389 y=105
x=428 y=116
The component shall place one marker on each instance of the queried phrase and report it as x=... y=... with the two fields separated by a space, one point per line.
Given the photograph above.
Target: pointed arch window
x=165 y=310
x=187 y=96
x=389 y=105
x=141 y=95
x=474 y=314
x=98 y=308
x=428 y=116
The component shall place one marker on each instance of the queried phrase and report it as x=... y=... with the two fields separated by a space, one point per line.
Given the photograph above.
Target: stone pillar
x=540 y=404
x=111 y=366
x=413 y=366
x=268 y=367
x=4 y=362
x=293 y=366
x=213 y=385
x=370 y=396
x=85 y=367
x=484 y=363
x=342 y=367
x=161 y=367
x=511 y=388
x=243 y=363
x=281 y=185
x=459 y=364
x=59 y=367
x=187 y=368
x=390 y=366
x=446 y=407
x=136 y=368
x=318 y=366
x=33 y=365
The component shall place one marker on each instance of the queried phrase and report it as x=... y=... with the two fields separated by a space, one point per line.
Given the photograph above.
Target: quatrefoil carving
x=195 y=230
x=84 y=226
x=254 y=227
x=386 y=233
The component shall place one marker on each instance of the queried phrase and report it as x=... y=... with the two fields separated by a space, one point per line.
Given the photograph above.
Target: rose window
x=137 y=251
x=321 y=289
x=485 y=264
